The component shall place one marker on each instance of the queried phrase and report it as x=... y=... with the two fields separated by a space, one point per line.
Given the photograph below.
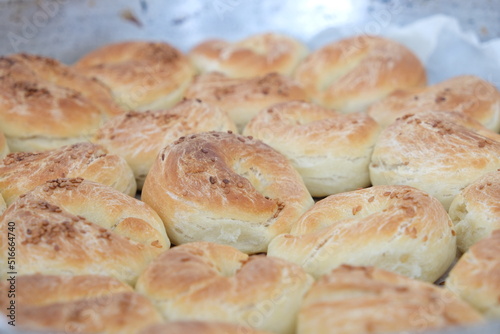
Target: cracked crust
x=397 y=228
x=225 y=188
x=73 y=226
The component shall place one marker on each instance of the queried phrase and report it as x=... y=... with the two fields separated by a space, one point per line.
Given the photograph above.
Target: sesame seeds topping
x=226 y=181
x=241 y=139
x=229 y=131
x=371 y=199
x=212 y=179
x=204 y=150
x=356 y=210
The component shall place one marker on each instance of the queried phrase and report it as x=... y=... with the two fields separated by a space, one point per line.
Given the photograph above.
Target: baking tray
x=67 y=29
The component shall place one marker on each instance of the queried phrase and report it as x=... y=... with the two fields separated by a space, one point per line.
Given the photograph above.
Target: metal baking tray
x=67 y=29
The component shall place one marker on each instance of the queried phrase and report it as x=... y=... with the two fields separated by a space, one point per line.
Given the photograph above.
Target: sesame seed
x=212 y=179
x=226 y=181
x=204 y=150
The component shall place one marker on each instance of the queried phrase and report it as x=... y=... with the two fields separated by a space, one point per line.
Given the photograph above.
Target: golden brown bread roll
x=20 y=172
x=225 y=188
x=242 y=99
x=253 y=56
x=78 y=304
x=200 y=327
x=139 y=136
x=4 y=148
x=141 y=75
x=476 y=276
x=475 y=211
x=435 y=152
x=469 y=94
x=207 y=281
x=396 y=228
x=77 y=227
x=350 y=74
x=357 y=300
x=45 y=104
x=331 y=151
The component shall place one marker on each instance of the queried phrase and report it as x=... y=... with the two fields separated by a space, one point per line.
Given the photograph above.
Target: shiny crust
x=476 y=276
x=352 y=73
x=475 y=211
x=4 y=148
x=227 y=189
x=254 y=56
x=20 y=172
x=440 y=153
x=469 y=94
x=200 y=327
x=141 y=75
x=72 y=226
x=79 y=304
x=396 y=228
x=242 y=99
x=358 y=300
x=331 y=151
x=206 y=281
x=45 y=104
x=139 y=136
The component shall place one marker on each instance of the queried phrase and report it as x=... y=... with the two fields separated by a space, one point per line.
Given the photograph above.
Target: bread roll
x=253 y=56
x=357 y=300
x=396 y=228
x=476 y=276
x=200 y=327
x=78 y=304
x=475 y=211
x=434 y=152
x=21 y=172
x=4 y=148
x=225 y=188
x=211 y=282
x=331 y=151
x=469 y=94
x=242 y=99
x=141 y=75
x=78 y=227
x=45 y=104
x=139 y=136
x=352 y=73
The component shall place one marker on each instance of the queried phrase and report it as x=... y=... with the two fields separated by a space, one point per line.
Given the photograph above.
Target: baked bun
x=476 y=276
x=396 y=228
x=358 y=300
x=200 y=327
x=45 y=104
x=78 y=304
x=227 y=189
x=352 y=73
x=434 y=152
x=242 y=99
x=475 y=211
x=141 y=75
x=4 y=148
x=469 y=94
x=20 y=172
x=331 y=151
x=211 y=282
x=139 y=136
x=254 y=56
x=78 y=227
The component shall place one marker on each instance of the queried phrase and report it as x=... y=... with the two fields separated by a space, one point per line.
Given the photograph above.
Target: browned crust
x=20 y=172
x=73 y=226
x=352 y=73
x=254 y=56
x=40 y=97
x=205 y=182
x=140 y=74
x=139 y=136
x=370 y=300
x=469 y=94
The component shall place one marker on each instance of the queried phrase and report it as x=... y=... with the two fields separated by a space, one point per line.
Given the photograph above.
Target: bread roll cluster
x=279 y=191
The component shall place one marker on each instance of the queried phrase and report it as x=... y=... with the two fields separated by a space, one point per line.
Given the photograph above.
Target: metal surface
x=67 y=29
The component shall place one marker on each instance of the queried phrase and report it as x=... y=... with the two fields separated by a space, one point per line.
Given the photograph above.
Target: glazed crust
x=141 y=75
x=350 y=74
x=225 y=188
